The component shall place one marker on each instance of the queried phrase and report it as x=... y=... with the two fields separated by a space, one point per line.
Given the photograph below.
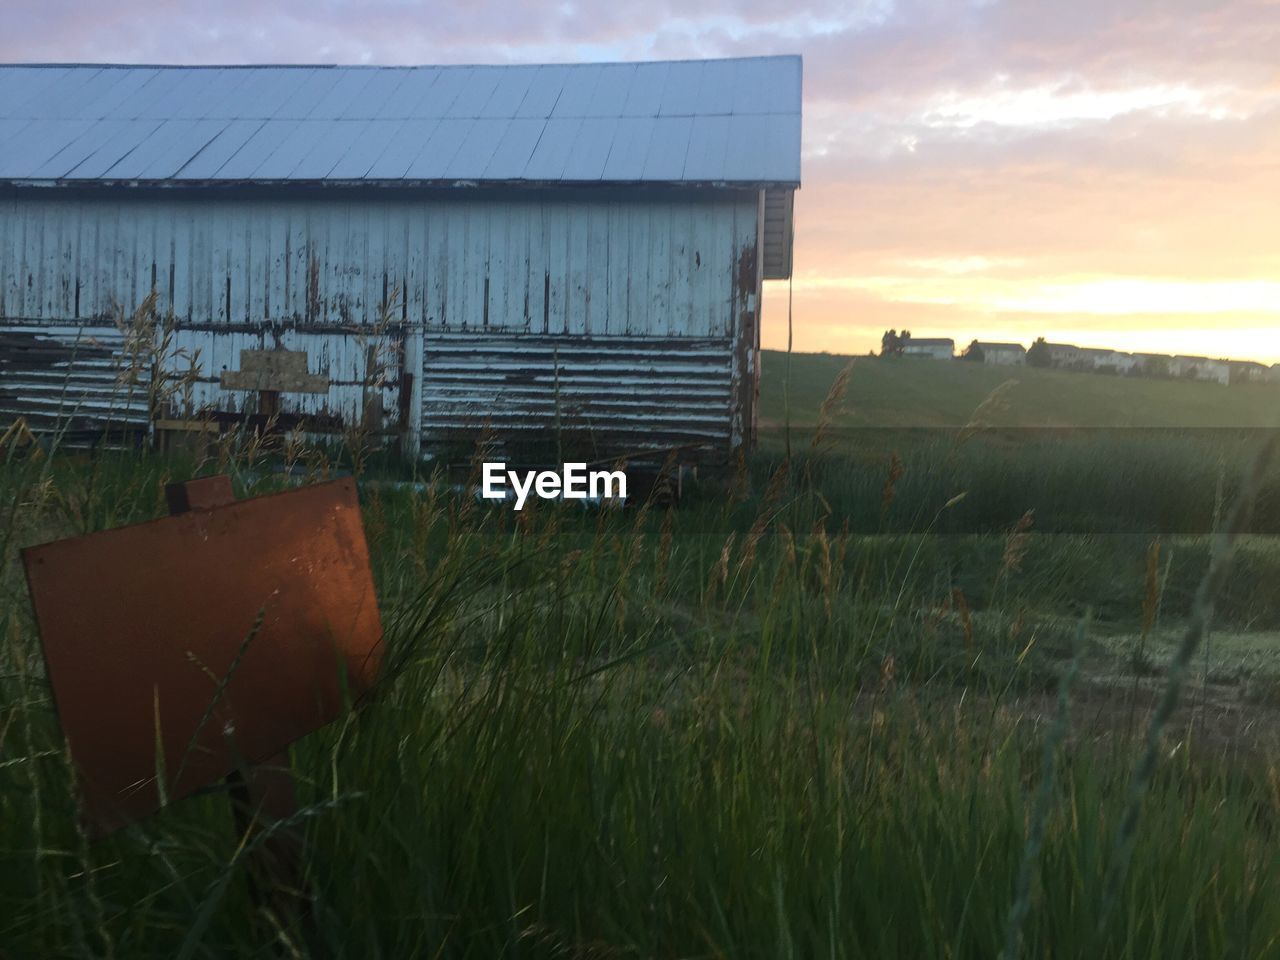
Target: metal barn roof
x=693 y=121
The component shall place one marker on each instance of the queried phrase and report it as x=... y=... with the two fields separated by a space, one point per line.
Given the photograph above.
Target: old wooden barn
x=569 y=250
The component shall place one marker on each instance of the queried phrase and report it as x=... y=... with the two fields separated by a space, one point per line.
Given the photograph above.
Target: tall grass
x=736 y=729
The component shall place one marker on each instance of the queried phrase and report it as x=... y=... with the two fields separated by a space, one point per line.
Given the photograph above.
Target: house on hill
x=1064 y=356
x=430 y=252
x=1275 y=373
x=1002 y=354
x=1156 y=365
x=1067 y=356
x=1200 y=368
x=935 y=348
x=1246 y=371
x=1104 y=360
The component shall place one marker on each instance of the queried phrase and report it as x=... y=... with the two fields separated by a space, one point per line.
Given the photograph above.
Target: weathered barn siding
x=610 y=394
x=73 y=377
x=362 y=282
x=564 y=263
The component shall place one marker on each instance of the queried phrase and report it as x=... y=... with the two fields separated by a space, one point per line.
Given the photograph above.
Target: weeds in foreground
x=733 y=729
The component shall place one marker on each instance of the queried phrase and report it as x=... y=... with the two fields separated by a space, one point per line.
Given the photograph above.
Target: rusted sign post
x=194 y=649
x=262 y=795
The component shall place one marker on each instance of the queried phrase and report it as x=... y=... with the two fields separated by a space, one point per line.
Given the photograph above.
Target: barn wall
x=260 y=271
x=75 y=378
x=607 y=395
x=557 y=262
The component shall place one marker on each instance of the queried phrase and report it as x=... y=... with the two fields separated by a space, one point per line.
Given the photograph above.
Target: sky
x=1103 y=172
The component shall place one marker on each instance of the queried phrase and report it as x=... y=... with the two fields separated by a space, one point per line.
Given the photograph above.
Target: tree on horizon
x=1038 y=354
x=892 y=342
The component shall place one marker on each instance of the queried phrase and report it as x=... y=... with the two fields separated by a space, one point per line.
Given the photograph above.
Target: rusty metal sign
x=185 y=648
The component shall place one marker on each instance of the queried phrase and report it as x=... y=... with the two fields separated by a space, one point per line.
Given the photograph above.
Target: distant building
x=1064 y=356
x=1200 y=368
x=1247 y=371
x=1067 y=356
x=1002 y=354
x=936 y=348
x=1155 y=365
x=1111 y=361
x=1275 y=372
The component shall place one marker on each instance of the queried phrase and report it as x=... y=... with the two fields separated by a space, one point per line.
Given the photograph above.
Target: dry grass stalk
x=888 y=673
x=1015 y=631
x=149 y=359
x=764 y=516
x=551 y=942
x=831 y=405
x=136 y=362
x=298 y=452
x=961 y=606
x=1016 y=546
x=788 y=562
x=662 y=560
x=720 y=573
x=363 y=435
x=19 y=437
x=825 y=566
x=887 y=494
x=986 y=414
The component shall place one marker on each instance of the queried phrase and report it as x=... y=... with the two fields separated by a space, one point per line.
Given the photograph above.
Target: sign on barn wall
x=326 y=379
x=274 y=371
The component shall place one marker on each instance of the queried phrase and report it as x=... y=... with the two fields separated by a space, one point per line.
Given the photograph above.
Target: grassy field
x=818 y=711
x=910 y=392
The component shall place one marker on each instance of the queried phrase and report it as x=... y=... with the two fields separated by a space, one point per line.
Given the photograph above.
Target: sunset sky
x=1105 y=172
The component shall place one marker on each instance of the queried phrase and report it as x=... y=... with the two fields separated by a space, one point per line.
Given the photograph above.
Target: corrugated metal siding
x=694 y=121
x=71 y=378
x=611 y=394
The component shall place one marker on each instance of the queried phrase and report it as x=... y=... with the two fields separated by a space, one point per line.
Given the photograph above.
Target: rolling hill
x=908 y=392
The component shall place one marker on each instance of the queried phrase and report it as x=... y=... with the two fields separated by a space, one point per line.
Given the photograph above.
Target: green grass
x=910 y=392
x=790 y=722
x=1091 y=454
